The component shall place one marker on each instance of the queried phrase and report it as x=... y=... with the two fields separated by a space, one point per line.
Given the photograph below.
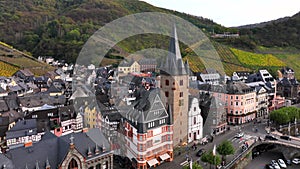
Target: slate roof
x=238 y=88
x=26 y=72
x=5 y=161
x=13 y=115
x=41 y=99
x=78 y=94
x=21 y=129
x=126 y=63
x=144 y=107
x=15 y=88
x=2 y=90
x=3 y=106
x=12 y=102
x=67 y=112
x=286 y=82
x=53 y=89
x=4 y=122
x=55 y=149
x=146 y=61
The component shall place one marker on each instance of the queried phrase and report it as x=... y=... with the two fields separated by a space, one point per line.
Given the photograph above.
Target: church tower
x=174 y=82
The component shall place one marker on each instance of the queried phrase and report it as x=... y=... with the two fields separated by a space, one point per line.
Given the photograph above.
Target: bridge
x=289 y=150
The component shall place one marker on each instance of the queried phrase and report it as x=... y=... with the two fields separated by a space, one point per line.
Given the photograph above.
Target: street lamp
x=296 y=128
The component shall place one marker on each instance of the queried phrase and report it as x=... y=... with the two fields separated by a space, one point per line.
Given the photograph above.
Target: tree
x=225 y=148
x=285 y=115
x=194 y=166
x=208 y=157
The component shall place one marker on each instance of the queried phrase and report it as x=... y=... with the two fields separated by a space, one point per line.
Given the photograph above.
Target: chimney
x=97 y=149
x=103 y=148
x=28 y=144
x=47 y=164
x=72 y=146
x=85 y=130
x=89 y=152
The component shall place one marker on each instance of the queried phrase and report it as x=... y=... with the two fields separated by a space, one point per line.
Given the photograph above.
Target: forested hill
x=59 y=28
x=284 y=32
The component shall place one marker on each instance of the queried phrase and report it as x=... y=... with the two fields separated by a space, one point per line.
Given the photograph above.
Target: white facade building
x=195 y=120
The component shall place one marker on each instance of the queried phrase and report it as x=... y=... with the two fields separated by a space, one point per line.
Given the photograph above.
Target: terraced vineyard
x=195 y=63
x=229 y=60
x=36 y=67
x=257 y=60
x=7 y=69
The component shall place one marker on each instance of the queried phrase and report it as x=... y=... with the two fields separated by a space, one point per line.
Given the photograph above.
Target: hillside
x=59 y=28
x=283 y=32
x=12 y=60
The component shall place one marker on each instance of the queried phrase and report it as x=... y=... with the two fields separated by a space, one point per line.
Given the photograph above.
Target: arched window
x=195 y=120
x=73 y=164
x=167 y=82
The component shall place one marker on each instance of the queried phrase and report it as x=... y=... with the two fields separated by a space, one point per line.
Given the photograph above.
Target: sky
x=231 y=13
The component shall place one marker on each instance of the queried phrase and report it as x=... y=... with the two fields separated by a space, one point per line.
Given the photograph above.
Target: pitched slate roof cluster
x=52 y=150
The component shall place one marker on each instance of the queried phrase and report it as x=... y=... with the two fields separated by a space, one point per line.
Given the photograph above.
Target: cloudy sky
x=233 y=12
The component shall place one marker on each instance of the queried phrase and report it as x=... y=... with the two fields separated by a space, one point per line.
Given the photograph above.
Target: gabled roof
x=191 y=98
x=53 y=89
x=26 y=72
x=148 y=107
x=126 y=63
x=2 y=90
x=78 y=94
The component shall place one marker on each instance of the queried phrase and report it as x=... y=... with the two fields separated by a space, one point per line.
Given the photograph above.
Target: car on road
x=239 y=135
x=270 y=137
x=200 y=152
x=296 y=161
x=281 y=163
x=286 y=137
x=275 y=164
x=269 y=166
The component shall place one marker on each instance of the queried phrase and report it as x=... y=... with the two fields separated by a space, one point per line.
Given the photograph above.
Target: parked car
x=296 y=161
x=204 y=141
x=200 y=152
x=269 y=166
x=255 y=154
x=270 y=137
x=275 y=164
x=239 y=135
x=288 y=162
x=286 y=137
x=281 y=163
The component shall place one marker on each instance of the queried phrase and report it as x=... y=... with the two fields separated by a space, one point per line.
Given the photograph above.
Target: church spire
x=174 y=64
